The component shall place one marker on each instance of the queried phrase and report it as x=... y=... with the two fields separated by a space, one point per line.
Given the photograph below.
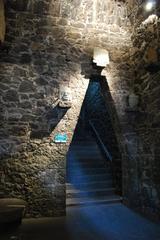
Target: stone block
x=151 y=55
x=25 y=58
x=15 y=5
x=11 y=210
x=26 y=86
x=11 y=96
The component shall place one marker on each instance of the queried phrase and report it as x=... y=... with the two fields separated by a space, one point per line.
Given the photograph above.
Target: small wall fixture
x=150 y=5
x=100 y=57
x=65 y=97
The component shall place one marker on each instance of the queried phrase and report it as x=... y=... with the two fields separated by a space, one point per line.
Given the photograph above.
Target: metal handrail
x=100 y=141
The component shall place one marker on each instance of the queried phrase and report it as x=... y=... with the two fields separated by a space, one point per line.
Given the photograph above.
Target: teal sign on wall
x=60 y=138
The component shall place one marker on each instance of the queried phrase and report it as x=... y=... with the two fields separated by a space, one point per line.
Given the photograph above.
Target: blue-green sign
x=60 y=138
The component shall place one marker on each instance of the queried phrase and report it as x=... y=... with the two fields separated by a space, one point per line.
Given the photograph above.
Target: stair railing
x=107 y=153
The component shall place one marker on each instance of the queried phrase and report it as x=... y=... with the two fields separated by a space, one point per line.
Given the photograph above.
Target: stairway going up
x=89 y=175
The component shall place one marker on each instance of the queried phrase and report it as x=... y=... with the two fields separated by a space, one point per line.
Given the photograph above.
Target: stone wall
x=49 y=44
x=145 y=60
x=138 y=130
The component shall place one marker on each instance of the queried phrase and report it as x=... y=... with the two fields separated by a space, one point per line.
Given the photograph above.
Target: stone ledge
x=11 y=210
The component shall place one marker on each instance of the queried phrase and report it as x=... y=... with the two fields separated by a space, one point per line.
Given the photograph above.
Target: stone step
x=90 y=185
x=89 y=178
x=83 y=158
x=88 y=161
x=87 y=152
x=93 y=201
x=75 y=193
x=87 y=164
x=89 y=175
x=86 y=157
x=87 y=171
x=91 y=153
x=84 y=147
x=84 y=143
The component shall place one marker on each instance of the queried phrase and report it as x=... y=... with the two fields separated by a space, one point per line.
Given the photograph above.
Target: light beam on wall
x=100 y=57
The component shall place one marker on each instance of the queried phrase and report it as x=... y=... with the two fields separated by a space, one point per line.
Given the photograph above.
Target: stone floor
x=100 y=222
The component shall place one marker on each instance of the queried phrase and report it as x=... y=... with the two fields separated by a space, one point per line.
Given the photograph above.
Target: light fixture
x=100 y=57
x=150 y=5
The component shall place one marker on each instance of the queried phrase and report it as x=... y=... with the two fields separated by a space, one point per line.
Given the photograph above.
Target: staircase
x=89 y=175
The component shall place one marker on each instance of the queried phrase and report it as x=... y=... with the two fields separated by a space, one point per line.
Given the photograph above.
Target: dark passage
x=91 y=177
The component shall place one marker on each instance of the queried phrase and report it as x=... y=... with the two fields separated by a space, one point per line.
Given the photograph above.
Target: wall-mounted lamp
x=150 y=5
x=100 y=57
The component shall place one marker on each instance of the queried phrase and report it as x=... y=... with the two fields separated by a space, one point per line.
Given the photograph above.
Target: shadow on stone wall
x=116 y=145
x=108 y=124
x=50 y=120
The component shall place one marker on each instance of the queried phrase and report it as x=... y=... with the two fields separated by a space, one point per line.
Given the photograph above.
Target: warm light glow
x=101 y=57
x=149 y=5
x=150 y=20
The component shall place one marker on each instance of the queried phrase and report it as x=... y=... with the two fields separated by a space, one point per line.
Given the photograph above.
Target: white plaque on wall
x=65 y=97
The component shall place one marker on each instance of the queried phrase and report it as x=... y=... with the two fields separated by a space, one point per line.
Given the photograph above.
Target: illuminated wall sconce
x=65 y=97
x=150 y=5
x=100 y=57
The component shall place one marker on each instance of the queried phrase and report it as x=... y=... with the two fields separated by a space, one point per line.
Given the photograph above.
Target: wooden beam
x=2 y=22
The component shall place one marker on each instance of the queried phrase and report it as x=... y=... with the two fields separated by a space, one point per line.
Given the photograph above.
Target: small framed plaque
x=60 y=138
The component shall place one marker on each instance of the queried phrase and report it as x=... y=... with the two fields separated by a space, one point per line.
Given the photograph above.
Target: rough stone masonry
x=50 y=44
x=138 y=131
